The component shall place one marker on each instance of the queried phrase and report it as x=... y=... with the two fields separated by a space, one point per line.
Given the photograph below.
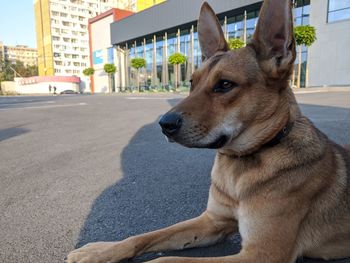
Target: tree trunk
x=307 y=75
x=113 y=83
x=92 y=90
x=175 y=67
x=109 y=83
x=138 y=80
x=299 y=67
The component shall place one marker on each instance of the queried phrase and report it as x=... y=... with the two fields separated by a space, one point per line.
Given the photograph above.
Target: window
x=65 y=23
x=338 y=10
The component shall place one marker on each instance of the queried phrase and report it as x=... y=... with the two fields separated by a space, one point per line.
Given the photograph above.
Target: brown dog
x=276 y=178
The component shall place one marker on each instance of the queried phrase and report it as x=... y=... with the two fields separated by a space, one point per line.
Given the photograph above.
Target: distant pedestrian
x=54 y=89
x=50 y=88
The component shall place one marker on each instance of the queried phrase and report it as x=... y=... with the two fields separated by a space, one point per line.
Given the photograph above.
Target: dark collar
x=273 y=142
x=280 y=135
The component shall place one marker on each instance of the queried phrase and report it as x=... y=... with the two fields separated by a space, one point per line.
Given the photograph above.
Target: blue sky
x=17 y=24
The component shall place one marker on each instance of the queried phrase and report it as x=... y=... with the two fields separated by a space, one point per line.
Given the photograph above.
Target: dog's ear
x=210 y=34
x=273 y=38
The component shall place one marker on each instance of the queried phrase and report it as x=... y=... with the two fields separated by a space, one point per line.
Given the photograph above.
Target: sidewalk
x=322 y=89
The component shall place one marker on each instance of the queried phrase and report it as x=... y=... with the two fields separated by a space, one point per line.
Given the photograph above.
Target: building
x=158 y=32
x=25 y=54
x=329 y=56
x=101 y=50
x=62 y=33
x=144 y=4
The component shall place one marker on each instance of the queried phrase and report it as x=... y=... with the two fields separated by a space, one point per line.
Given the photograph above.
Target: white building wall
x=329 y=56
x=101 y=41
x=41 y=87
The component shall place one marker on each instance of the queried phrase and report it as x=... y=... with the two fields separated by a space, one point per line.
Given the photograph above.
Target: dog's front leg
x=243 y=257
x=204 y=230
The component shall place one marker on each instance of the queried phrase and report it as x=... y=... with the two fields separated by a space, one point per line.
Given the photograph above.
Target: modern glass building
x=170 y=27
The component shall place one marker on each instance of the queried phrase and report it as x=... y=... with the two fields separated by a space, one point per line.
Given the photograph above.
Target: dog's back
x=326 y=228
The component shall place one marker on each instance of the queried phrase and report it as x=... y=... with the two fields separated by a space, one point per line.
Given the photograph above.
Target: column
x=126 y=62
x=165 y=73
x=225 y=28
x=192 y=50
x=179 y=77
x=245 y=27
x=154 y=65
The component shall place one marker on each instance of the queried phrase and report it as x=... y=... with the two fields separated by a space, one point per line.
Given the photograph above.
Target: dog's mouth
x=219 y=143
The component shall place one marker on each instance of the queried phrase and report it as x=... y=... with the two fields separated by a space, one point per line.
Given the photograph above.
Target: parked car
x=68 y=91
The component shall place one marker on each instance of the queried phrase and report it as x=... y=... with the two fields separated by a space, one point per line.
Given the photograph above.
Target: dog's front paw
x=167 y=260
x=100 y=252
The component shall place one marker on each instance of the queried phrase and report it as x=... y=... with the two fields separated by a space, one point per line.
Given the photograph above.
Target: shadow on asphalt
x=162 y=184
x=12 y=132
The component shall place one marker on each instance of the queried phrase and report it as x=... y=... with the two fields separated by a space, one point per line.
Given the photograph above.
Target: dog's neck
x=247 y=146
x=280 y=135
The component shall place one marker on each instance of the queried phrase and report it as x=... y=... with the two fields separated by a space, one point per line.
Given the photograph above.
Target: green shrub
x=88 y=72
x=110 y=68
x=235 y=43
x=177 y=58
x=138 y=63
x=305 y=35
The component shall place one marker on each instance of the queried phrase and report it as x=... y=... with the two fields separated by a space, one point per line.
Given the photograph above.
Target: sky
x=17 y=24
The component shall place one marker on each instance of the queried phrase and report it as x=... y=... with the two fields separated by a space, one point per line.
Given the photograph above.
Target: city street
x=77 y=168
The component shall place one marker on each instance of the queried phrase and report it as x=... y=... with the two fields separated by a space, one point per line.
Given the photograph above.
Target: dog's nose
x=171 y=123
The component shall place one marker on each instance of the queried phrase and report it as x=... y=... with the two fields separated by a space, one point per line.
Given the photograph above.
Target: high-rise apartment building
x=27 y=55
x=62 y=33
x=144 y=4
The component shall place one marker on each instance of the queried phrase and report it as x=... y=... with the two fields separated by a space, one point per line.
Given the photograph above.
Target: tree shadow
x=164 y=184
x=12 y=132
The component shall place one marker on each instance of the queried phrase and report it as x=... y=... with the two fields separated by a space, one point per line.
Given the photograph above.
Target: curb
x=321 y=89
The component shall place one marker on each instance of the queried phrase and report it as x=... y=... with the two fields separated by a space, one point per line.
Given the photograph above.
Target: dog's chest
x=229 y=176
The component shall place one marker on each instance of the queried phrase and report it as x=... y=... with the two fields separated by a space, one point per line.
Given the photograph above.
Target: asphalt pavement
x=76 y=169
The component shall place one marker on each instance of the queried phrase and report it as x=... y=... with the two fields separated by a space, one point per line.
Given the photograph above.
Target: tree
x=304 y=35
x=177 y=59
x=138 y=63
x=6 y=73
x=235 y=43
x=9 y=70
x=32 y=70
x=110 y=69
x=88 y=72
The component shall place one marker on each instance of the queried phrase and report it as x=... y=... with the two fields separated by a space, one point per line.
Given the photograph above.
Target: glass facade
x=338 y=10
x=156 y=49
x=301 y=17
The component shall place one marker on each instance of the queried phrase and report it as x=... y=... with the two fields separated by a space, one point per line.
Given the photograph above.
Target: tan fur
x=287 y=200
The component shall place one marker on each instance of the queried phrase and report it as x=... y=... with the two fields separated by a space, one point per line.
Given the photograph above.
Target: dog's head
x=238 y=98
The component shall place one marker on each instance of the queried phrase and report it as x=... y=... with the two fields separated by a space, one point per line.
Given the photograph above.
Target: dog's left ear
x=273 y=38
x=210 y=34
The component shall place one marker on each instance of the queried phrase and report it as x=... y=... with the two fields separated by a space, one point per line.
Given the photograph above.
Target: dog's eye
x=224 y=86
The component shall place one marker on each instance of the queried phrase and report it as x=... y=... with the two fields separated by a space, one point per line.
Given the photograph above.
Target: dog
x=276 y=178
